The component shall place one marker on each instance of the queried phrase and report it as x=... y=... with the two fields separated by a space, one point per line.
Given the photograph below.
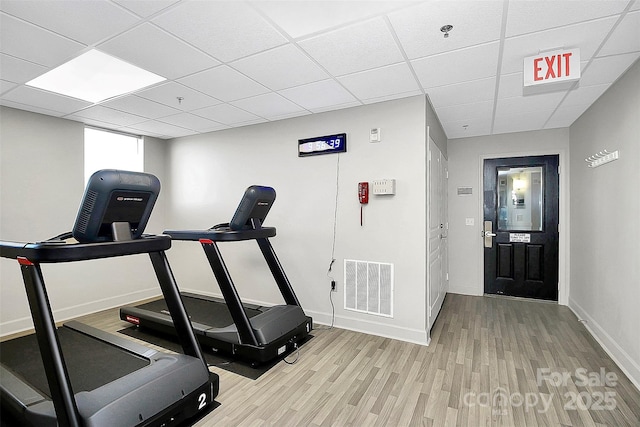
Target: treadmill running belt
x=207 y=312
x=91 y=363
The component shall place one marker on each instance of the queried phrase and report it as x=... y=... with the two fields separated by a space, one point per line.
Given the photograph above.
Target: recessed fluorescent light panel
x=95 y=76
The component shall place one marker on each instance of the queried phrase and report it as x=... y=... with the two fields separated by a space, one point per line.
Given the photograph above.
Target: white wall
x=41 y=176
x=465 y=170
x=436 y=132
x=210 y=172
x=605 y=230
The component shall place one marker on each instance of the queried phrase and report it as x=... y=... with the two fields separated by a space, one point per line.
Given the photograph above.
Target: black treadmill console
x=255 y=205
x=116 y=205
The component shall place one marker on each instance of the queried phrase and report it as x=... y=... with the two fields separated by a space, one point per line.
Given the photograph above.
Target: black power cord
x=295 y=346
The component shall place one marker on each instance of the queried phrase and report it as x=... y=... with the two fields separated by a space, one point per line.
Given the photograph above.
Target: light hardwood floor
x=491 y=362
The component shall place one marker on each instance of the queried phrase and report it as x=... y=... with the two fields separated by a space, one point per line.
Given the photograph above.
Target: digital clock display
x=322 y=145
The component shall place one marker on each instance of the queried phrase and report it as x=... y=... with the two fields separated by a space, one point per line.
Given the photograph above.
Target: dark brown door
x=520 y=227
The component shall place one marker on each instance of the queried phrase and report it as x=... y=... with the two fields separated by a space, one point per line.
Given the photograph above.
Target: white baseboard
x=413 y=336
x=626 y=364
x=64 y=314
x=464 y=290
x=352 y=324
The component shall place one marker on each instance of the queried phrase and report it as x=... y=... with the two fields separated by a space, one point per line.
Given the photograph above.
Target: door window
x=520 y=198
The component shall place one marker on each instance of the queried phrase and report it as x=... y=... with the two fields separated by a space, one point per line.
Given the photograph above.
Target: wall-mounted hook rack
x=601 y=158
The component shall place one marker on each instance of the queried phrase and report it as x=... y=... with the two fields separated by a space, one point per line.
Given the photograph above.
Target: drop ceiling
x=236 y=63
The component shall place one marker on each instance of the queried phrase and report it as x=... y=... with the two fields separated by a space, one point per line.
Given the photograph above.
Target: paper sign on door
x=519 y=238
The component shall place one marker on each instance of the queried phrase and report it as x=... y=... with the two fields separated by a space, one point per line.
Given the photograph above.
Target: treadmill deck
x=90 y=363
x=203 y=310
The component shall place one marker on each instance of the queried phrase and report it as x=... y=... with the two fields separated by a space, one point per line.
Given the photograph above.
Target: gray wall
x=605 y=231
x=41 y=172
x=210 y=172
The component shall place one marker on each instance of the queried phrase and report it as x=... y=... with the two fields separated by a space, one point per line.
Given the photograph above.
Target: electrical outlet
x=333 y=286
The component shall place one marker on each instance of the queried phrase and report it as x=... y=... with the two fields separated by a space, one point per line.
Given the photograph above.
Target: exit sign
x=552 y=67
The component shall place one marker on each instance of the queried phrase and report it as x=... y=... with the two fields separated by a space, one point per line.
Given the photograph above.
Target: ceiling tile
x=626 y=36
x=303 y=18
x=43 y=99
x=529 y=104
x=520 y=122
x=23 y=40
x=418 y=28
x=270 y=106
x=320 y=95
x=355 y=48
x=224 y=83
x=149 y=47
x=280 y=68
x=511 y=85
x=477 y=110
x=140 y=107
x=530 y=16
x=145 y=133
x=193 y=122
x=169 y=94
x=27 y=107
x=227 y=114
x=458 y=66
x=84 y=21
x=586 y=36
x=19 y=71
x=227 y=30
x=584 y=95
x=607 y=69
x=92 y=122
x=463 y=93
x=108 y=115
x=146 y=8
x=162 y=128
x=467 y=128
x=382 y=83
x=6 y=86
x=564 y=116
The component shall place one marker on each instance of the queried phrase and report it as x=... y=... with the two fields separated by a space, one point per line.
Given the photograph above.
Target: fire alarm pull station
x=363 y=196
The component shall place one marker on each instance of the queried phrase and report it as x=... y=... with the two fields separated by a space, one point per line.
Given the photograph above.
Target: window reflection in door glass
x=520 y=198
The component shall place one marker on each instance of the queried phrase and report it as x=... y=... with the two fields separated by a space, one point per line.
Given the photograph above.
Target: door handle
x=488 y=234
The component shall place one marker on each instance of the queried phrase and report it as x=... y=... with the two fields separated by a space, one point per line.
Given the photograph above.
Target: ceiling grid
x=236 y=63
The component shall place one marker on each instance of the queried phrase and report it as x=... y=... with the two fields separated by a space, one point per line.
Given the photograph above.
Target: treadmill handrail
x=55 y=367
x=230 y=293
x=61 y=251
x=30 y=256
x=221 y=234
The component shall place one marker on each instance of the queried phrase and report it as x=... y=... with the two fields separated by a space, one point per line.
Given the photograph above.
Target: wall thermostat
x=374 y=136
x=384 y=186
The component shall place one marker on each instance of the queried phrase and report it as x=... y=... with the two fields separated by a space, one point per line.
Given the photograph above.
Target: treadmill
x=251 y=333
x=77 y=375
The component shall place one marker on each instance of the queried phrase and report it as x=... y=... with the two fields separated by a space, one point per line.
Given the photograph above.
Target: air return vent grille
x=368 y=287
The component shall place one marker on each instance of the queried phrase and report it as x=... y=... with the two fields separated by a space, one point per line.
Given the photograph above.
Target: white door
x=437 y=270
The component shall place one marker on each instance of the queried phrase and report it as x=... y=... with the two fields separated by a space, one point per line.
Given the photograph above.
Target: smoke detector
x=445 y=29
